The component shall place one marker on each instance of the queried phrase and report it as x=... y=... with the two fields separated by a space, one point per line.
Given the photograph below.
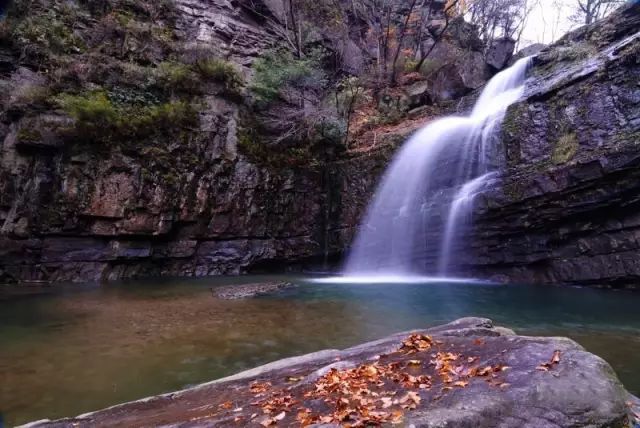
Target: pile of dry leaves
x=377 y=393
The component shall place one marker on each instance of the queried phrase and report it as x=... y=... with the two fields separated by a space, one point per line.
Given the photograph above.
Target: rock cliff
x=173 y=189
x=178 y=200
x=568 y=208
x=125 y=149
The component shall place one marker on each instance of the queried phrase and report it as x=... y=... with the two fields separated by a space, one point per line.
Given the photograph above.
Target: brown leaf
x=266 y=421
x=257 y=387
x=386 y=402
x=396 y=417
x=226 y=405
x=461 y=383
x=555 y=359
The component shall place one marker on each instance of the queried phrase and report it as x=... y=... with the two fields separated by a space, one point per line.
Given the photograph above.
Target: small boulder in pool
x=247 y=291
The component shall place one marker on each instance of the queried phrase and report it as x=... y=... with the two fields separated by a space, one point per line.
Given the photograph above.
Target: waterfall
x=425 y=198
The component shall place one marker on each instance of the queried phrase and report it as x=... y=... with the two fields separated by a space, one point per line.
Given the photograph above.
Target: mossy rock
x=29 y=136
x=565 y=148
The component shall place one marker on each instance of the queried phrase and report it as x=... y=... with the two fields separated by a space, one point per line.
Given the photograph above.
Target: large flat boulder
x=468 y=373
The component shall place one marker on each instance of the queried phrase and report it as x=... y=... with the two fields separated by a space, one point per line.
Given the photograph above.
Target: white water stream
x=426 y=196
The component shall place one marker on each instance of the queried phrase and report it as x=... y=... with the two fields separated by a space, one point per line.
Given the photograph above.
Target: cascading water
x=426 y=195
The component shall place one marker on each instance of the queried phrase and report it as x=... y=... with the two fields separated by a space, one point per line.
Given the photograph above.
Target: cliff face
x=568 y=211
x=173 y=197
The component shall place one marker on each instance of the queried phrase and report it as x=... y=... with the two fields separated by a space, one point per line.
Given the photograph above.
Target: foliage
x=278 y=71
x=330 y=130
x=410 y=65
x=47 y=33
x=176 y=76
x=429 y=66
x=30 y=94
x=350 y=93
x=29 y=135
x=99 y=120
x=221 y=71
x=259 y=152
x=93 y=110
x=565 y=149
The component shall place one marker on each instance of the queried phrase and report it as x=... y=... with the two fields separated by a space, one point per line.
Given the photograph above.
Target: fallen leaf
x=396 y=417
x=226 y=405
x=386 y=402
x=266 y=421
x=555 y=359
x=461 y=383
x=257 y=387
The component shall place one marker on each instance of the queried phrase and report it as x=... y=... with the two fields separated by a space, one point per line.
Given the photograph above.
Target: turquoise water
x=86 y=347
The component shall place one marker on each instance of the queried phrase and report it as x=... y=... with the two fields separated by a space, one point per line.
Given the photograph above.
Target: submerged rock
x=246 y=291
x=468 y=373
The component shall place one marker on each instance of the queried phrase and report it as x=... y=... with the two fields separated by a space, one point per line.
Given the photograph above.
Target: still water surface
x=87 y=347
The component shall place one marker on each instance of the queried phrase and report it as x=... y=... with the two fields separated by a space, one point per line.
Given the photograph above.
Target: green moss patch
x=565 y=148
x=99 y=120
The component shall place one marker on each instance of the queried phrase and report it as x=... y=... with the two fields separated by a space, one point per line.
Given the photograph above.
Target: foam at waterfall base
x=377 y=278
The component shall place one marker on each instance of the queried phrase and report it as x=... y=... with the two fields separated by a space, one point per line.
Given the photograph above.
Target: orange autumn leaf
x=257 y=387
x=226 y=405
x=555 y=359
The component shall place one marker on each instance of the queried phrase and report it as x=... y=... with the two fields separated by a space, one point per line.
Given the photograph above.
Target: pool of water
x=86 y=347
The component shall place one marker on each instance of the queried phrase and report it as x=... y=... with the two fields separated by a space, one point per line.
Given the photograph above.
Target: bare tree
x=402 y=33
x=451 y=11
x=589 y=11
x=347 y=95
x=499 y=18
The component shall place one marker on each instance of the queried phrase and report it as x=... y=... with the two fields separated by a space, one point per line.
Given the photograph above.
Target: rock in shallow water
x=246 y=291
x=525 y=386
